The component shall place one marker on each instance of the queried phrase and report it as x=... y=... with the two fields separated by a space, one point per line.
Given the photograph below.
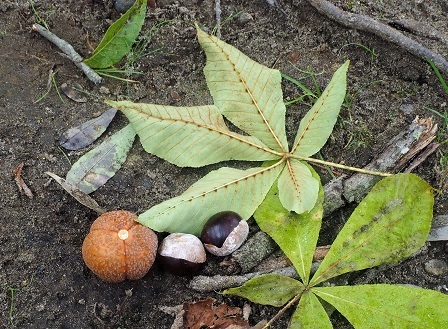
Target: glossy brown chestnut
x=182 y=254
x=224 y=233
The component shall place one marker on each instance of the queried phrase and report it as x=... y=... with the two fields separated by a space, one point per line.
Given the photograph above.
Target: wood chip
x=23 y=188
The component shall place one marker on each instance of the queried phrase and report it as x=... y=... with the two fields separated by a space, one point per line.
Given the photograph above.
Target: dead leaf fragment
x=203 y=314
x=72 y=93
x=86 y=133
x=97 y=166
x=23 y=188
x=80 y=196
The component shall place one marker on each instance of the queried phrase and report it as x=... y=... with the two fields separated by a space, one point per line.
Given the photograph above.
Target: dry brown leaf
x=203 y=314
x=21 y=183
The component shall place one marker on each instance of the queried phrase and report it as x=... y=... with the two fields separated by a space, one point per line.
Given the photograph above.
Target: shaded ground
x=43 y=280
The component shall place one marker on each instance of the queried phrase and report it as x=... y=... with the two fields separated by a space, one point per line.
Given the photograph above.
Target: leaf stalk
x=340 y=166
x=283 y=310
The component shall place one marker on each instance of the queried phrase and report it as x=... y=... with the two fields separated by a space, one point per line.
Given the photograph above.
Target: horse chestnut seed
x=182 y=254
x=119 y=248
x=224 y=233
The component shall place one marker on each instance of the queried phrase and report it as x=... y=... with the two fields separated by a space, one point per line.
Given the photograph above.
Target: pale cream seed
x=123 y=234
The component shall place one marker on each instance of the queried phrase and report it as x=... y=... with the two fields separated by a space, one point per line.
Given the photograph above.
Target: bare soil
x=43 y=280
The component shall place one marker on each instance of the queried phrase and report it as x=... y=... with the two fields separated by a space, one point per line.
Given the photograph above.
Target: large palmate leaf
x=223 y=189
x=317 y=125
x=190 y=136
x=247 y=93
x=389 y=224
x=296 y=234
x=382 y=306
x=119 y=37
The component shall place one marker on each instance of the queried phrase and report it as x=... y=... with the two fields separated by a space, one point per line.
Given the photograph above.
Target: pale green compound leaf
x=97 y=166
x=224 y=189
x=246 y=92
x=310 y=314
x=316 y=126
x=190 y=136
x=296 y=234
x=298 y=188
x=250 y=96
x=268 y=289
x=119 y=37
x=388 y=306
x=389 y=224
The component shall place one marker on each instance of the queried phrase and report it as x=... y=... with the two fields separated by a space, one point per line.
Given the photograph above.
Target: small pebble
x=436 y=267
x=122 y=6
x=40 y=307
x=183 y=10
x=104 y=90
x=245 y=18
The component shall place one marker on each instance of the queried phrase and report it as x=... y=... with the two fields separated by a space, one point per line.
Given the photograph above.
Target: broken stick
x=68 y=49
x=367 y=24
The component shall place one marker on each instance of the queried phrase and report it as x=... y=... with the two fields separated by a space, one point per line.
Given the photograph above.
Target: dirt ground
x=43 y=280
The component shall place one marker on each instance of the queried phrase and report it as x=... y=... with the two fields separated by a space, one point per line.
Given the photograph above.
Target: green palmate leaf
x=246 y=92
x=249 y=95
x=119 y=38
x=310 y=314
x=268 y=289
x=318 y=123
x=296 y=234
x=388 y=306
x=390 y=223
x=298 y=188
x=190 y=136
x=97 y=166
x=223 y=189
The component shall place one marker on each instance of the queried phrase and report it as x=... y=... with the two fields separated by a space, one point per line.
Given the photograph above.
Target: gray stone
x=123 y=5
x=245 y=18
x=436 y=267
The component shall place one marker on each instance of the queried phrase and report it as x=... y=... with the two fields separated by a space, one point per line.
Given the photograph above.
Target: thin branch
x=367 y=24
x=68 y=49
x=283 y=310
x=218 y=18
x=204 y=283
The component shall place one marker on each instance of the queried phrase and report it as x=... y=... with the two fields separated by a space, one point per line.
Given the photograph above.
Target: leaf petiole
x=283 y=310
x=337 y=165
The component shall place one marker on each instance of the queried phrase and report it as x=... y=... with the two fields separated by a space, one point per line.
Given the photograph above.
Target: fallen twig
x=68 y=49
x=218 y=18
x=218 y=282
x=367 y=24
